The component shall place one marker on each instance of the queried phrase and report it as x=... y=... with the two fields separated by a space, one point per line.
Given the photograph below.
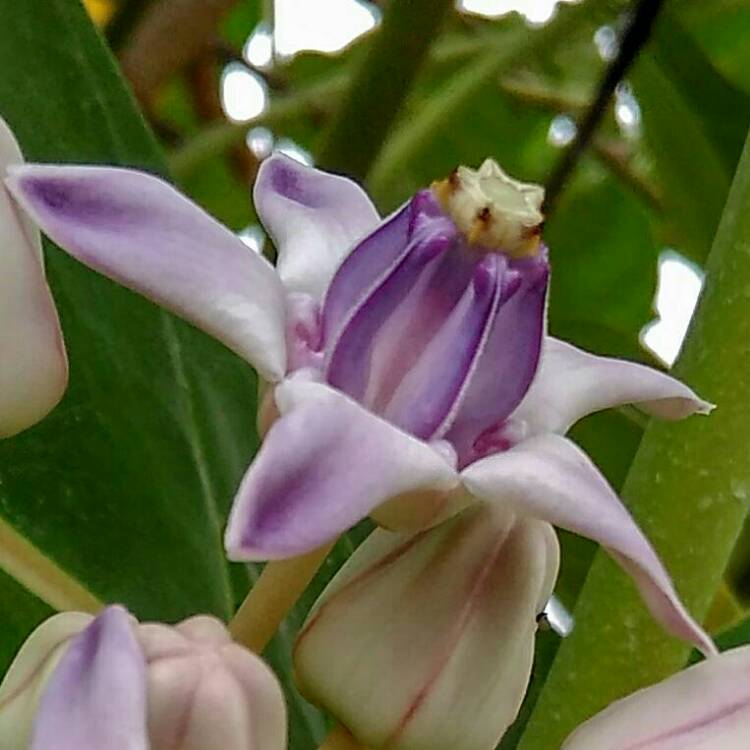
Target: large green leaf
x=604 y=260
x=127 y=483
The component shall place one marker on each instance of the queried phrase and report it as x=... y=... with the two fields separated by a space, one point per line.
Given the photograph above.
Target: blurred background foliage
x=395 y=93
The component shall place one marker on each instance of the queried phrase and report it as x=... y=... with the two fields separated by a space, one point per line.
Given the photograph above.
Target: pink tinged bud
x=86 y=683
x=33 y=364
x=205 y=691
x=426 y=641
x=706 y=707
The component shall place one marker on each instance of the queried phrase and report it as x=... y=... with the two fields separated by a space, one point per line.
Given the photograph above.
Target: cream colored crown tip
x=492 y=209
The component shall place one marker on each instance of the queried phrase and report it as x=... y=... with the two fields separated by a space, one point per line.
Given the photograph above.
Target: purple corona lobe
x=416 y=321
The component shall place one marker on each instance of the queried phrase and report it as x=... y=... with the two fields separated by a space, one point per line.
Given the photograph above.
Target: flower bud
x=426 y=641
x=206 y=692
x=706 y=707
x=29 y=673
x=82 y=683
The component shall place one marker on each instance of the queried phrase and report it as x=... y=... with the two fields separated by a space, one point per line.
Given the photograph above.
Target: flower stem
x=20 y=559
x=274 y=593
x=340 y=739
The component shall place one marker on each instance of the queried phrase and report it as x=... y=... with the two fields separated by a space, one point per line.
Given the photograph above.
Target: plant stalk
x=274 y=593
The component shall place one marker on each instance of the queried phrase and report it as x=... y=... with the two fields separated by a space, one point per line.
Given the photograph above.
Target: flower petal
x=572 y=383
x=28 y=673
x=324 y=465
x=141 y=232
x=706 y=707
x=425 y=399
x=364 y=267
x=96 y=698
x=508 y=362
x=414 y=312
x=33 y=365
x=314 y=218
x=548 y=477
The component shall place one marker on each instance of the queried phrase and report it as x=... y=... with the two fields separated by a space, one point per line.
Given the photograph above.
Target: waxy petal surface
x=314 y=219
x=411 y=346
x=33 y=365
x=572 y=383
x=96 y=697
x=706 y=707
x=141 y=232
x=509 y=359
x=548 y=477
x=364 y=267
x=324 y=465
x=426 y=397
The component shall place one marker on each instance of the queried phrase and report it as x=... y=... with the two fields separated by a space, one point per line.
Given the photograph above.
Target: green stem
x=381 y=83
x=21 y=560
x=688 y=487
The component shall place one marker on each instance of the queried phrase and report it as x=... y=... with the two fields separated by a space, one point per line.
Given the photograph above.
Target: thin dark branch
x=635 y=36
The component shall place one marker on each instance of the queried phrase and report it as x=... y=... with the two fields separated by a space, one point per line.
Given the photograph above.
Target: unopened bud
x=206 y=692
x=199 y=690
x=426 y=641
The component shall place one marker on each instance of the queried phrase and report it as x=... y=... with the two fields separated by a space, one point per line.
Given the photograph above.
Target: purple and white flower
x=85 y=683
x=408 y=357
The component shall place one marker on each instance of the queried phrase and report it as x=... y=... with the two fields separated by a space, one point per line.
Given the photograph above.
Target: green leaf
x=240 y=21
x=721 y=28
x=20 y=611
x=737 y=635
x=688 y=488
x=126 y=484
